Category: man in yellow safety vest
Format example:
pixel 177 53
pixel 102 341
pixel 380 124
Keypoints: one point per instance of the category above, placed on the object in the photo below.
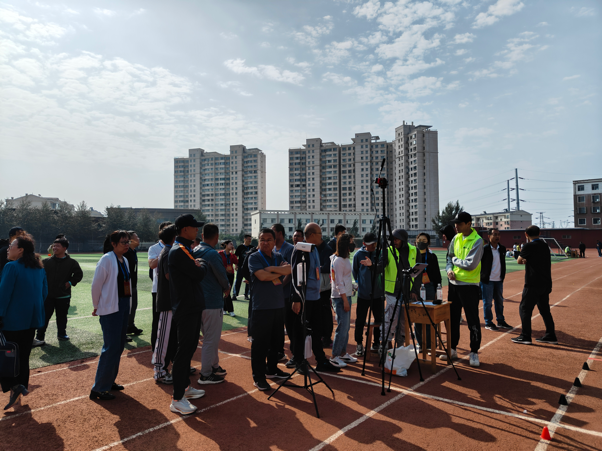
pixel 464 273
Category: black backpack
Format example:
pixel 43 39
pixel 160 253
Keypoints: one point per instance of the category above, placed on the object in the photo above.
pixel 244 269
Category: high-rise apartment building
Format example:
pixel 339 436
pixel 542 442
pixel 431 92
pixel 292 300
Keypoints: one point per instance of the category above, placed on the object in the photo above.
pixel 226 188
pixel 416 187
pixel 586 199
pixel 324 176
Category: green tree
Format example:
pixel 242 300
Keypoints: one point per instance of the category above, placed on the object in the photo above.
pixel 83 226
pixel 355 230
pixel 444 218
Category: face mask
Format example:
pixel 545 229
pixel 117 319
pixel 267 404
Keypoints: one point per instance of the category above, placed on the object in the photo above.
pixel 351 247
pixel 422 246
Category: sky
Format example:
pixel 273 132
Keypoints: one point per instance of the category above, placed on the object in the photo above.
pixel 97 98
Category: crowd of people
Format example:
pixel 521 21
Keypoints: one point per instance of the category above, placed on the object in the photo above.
pixel 292 290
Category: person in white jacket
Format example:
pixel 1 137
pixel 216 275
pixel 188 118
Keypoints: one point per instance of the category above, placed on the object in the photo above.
pixel 342 289
pixel 111 297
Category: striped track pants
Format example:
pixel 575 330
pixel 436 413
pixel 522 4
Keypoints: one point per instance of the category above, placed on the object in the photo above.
pixel 163 333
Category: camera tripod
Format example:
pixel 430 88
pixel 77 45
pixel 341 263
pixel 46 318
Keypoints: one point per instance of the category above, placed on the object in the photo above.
pixel 304 367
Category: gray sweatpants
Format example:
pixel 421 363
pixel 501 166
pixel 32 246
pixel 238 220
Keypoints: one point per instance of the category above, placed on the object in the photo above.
pixel 212 332
pixel 393 322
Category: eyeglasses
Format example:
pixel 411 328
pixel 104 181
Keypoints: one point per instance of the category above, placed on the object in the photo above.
pixel 125 243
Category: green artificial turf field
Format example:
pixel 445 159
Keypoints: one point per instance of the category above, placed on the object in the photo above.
pixel 85 331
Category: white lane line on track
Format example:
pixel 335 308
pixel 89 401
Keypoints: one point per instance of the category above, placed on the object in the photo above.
pixel 471 406
pixel 554 423
pixel 373 412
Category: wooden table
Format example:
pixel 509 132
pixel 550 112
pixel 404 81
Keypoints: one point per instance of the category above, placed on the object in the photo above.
pixel 439 314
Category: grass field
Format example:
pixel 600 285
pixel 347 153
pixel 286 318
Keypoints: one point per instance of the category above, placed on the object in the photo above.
pixel 85 331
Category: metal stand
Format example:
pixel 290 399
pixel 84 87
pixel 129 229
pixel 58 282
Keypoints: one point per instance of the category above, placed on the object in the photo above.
pixel 304 367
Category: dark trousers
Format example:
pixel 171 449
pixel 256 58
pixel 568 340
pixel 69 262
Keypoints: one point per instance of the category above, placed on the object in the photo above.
pixel 188 329
pixel 292 322
pixel 61 306
pixel 361 315
pixel 268 339
pixel 155 325
pixel 228 305
pixel 465 297
pixel 528 302
pixel 238 282
pixel 326 315
pixel 133 308
pixel 313 318
pixel 23 339
pixel 581 254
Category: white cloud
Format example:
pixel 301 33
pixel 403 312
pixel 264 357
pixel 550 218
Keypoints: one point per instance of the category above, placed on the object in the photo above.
pixel 104 12
pixel 543 24
pixel 421 86
pixel 377 68
pixel 234 86
pixel 374 38
pixel 264 71
pixel 368 10
pixel 228 35
pixel 139 12
pixel 265 45
pixel 29 29
pixel 453 85
pixel 583 11
pixel 460 52
pixel 466 132
pixel 464 38
pixel 554 100
pixel 311 34
pixel 268 27
pixel 335 52
pixel 495 12
pixel 339 79
pixel 469 60
pixel 572 77
pixel 463 104
pixel 394 111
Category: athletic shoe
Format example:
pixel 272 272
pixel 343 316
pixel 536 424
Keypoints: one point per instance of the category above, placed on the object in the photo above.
pixel 250 339
pixel 211 379
pixel 474 359
pixel 63 337
pixel 522 341
pixel 234 298
pixel 193 393
pixel 292 363
pixel 302 368
pixel 15 395
pixel 327 366
pixel 117 387
pixel 182 406
pixel 232 314
pixel 454 355
pixel 360 350
pixel 282 357
pixel 37 343
pixel 134 331
pixel 551 340
pixel 262 385
pixel 166 379
pixel 375 347
pixel 491 326
pixel 348 358
pixel 276 374
pixel 219 371
pixel 504 325
pixel 102 395
pixel 192 370
pixel 338 362
pixel 129 339
pixel 246 297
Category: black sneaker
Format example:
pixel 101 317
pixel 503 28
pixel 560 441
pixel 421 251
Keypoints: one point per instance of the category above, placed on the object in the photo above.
pixel 551 340
pixel 63 337
pixel 211 379
pixel 504 325
pixel 292 363
pixel 219 371
pixel 303 369
pixel 129 339
pixel 276 374
pixel 326 366
pixel 262 385
pixel 192 370
pixel 282 356
pixel 491 326
pixel 134 331
pixel 521 340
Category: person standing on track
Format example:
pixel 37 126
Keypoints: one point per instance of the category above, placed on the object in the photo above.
pixel 229 262
pixel 216 285
pixel 241 252
pixel 153 262
pixel 581 249
pixel 599 247
pixel 464 272
pixel 538 286
pixel 430 278
pixel 132 258
pixel 187 303
pixel 298 236
pixel 493 272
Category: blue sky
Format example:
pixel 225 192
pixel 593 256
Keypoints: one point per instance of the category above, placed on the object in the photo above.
pixel 96 98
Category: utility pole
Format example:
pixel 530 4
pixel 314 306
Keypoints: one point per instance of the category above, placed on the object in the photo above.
pixel 517 191
pixel 508 193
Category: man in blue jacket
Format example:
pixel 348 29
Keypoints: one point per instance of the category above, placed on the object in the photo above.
pixel 214 285
pixel 364 266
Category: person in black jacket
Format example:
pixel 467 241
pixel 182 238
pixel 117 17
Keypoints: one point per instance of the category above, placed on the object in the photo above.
pixel 62 273
pixel 430 278
pixel 493 272
pixel 581 249
pixel 326 327
pixel 241 252
pixel 132 257
pixel 187 304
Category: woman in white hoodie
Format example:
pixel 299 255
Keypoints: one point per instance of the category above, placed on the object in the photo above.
pixel 342 290
pixel 111 297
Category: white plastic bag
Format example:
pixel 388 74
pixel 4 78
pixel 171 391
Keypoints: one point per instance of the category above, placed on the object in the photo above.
pixel 404 356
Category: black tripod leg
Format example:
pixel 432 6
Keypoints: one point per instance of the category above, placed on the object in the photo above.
pixel 366 348
pixel 284 382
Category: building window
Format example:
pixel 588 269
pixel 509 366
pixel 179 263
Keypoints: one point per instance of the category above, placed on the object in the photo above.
pixel 581 221
pixel 595 198
pixel 595 209
pixel 596 221
pixel 580 187
pixel 580 199
pixel 595 186
pixel 566 237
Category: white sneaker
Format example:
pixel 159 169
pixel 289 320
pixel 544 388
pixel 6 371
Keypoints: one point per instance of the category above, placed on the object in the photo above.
pixel 474 359
pixel 454 355
pixel 182 406
pixel 348 358
pixel 193 393
pixel 232 314
pixel 338 362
